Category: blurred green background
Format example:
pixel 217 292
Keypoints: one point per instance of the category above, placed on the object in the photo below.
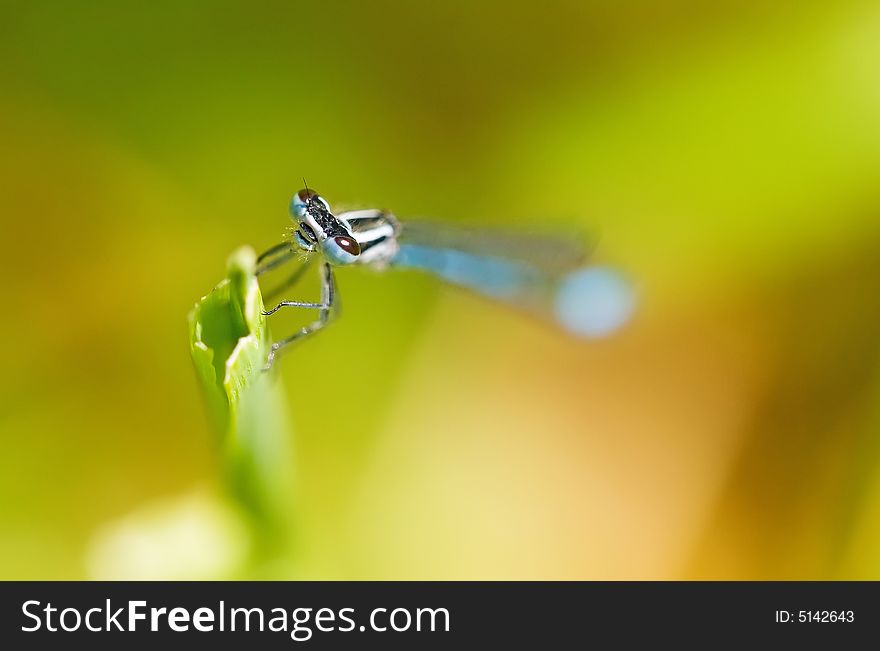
pixel 727 154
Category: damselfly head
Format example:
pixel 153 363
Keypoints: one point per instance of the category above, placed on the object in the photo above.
pixel 318 229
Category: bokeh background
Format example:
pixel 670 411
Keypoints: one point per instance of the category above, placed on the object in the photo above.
pixel 726 153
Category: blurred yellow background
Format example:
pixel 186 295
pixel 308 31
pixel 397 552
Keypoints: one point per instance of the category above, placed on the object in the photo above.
pixel 726 153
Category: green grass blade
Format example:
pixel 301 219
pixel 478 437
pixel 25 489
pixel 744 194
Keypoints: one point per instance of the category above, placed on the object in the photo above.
pixel 229 342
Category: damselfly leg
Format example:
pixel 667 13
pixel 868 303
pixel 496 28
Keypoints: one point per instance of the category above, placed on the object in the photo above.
pixel 328 310
pixel 291 280
pixel 275 257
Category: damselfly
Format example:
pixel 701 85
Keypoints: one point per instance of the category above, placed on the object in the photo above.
pixel 539 273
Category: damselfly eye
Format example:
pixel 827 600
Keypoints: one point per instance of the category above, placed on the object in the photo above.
pixel 308 232
pixel 305 194
pixel 305 201
pixel 348 244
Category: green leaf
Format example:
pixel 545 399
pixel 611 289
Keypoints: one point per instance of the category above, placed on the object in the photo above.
pixel 229 342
